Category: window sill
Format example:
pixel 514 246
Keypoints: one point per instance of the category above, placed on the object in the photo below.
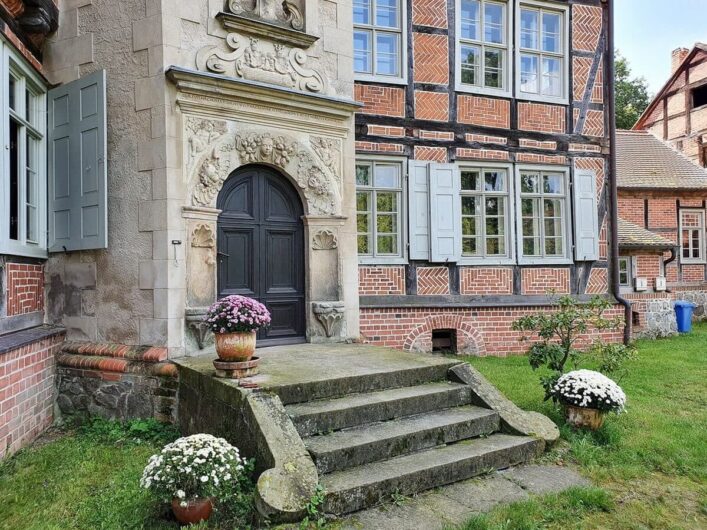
pixel 468 262
pixel 381 79
pixel 482 91
pixel 561 261
pixel 9 249
pixel 382 261
pixel 692 262
pixel 17 339
pixel 536 98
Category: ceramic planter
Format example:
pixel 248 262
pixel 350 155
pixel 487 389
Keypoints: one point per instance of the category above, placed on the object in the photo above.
pixel 235 347
pixel 584 417
pixel 195 511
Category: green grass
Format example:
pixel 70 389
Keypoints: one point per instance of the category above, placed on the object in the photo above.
pixel 87 478
pixel 649 465
pixel 652 460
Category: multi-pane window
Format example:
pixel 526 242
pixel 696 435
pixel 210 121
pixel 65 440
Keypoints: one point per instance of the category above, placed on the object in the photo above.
pixel 692 235
pixel 625 271
pixel 378 208
pixel 484 197
pixel 543 198
pixel 483 44
pixel 23 183
pixel 542 51
pixel 378 38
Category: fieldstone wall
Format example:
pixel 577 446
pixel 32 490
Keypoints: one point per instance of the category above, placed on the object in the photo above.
pixel 134 396
pixel 699 298
pixel 659 319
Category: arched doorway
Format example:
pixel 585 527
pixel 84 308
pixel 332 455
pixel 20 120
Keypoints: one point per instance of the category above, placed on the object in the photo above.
pixel 261 248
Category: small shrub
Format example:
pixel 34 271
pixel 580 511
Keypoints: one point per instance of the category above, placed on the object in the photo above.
pixel 131 431
pixel 587 388
pixel 314 517
pixel 560 332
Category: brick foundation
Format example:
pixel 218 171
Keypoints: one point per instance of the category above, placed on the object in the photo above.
pixel 479 331
pixel 27 392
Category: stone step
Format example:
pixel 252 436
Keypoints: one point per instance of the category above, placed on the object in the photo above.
pixel 422 369
pixel 359 409
pixel 380 441
pixel 364 486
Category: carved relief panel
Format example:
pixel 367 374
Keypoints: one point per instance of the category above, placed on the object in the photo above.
pixel 284 13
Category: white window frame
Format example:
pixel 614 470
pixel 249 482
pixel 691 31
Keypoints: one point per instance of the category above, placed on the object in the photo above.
pixel 11 61
pixel 567 258
pixel 701 213
pixel 509 258
pixel 507 45
pixel 401 79
pixel 403 222
pixel 629 271
pixel 565 82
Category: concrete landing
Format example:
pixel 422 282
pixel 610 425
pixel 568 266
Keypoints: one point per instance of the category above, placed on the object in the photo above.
pixel 302 372
pixel 453 505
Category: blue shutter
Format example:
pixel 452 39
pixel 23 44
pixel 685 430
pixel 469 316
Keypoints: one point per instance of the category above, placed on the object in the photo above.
pixel 78 217
pixel 445 213
pixel 586 216
pixel 419 209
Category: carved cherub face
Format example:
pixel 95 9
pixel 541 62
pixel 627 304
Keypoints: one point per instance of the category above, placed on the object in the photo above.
pixel 253 43
pixel 266 146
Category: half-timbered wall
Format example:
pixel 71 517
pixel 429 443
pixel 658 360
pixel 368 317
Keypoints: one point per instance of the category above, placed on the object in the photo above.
pixel 678 115
pixel 431 117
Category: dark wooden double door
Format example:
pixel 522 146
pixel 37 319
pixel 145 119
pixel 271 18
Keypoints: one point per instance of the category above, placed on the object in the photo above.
pixel 261 249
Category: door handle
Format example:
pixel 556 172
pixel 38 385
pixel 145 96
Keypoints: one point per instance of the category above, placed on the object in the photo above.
pixel 222 255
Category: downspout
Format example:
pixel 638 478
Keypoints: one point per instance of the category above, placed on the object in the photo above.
pixel 614 198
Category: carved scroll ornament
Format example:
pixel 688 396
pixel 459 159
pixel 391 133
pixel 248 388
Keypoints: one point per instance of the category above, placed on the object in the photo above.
pixel 266 62
pixel 285 13
pixel 212 173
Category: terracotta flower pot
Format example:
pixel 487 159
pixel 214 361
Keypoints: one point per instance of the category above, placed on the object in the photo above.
pixel 195 511
pixel 584 417
pixel 235 346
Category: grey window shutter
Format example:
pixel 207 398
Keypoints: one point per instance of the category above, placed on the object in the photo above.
pixel 419 209
pixel 586 229
pixel 78 216
pixel 445 213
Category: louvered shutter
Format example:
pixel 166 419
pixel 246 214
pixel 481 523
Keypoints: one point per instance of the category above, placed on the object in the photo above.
pixel 586 229
pixel 78 215
pixel 445 213
pixel 419 209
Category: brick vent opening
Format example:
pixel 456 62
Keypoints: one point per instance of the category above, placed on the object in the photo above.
pixel 444 340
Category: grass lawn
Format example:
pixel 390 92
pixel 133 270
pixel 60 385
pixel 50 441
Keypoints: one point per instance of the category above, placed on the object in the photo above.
pixel 649 465
pixel 652 460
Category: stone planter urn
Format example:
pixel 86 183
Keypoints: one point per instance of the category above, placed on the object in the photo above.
pixel 584 417
pixel 195 511
pixel 235 347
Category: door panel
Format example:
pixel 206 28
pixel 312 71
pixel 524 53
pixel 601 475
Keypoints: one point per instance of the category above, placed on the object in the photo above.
pixel 261 249
pixel 238 246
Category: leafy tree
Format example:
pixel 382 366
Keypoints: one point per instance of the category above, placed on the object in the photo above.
pixel 631 94
pixel 562 332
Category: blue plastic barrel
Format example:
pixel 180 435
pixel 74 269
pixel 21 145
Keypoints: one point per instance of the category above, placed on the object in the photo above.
pixel 683 314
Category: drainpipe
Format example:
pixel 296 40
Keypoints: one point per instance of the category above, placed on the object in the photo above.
pixel 614 204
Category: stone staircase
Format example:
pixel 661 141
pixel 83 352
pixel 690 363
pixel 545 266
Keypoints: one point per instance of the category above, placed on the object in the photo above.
pixel 403 432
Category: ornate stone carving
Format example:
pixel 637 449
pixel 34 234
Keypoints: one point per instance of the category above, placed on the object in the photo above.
pixel 195 321
pixel 329 152
pixel 285 13
pixel 266 62
pixel 329 314
pixel 324 240
pixel 203 237
pixel 202 134
pixel 212 173
pixel 313 181
pixel 265 148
